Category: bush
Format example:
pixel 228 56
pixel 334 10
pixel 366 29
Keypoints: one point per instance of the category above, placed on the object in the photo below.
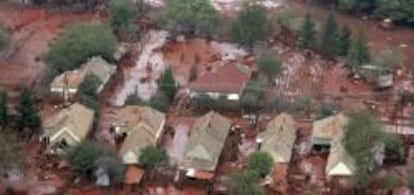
pixel 245 183
pixel 191 16
pixel 261 162
pixel 121 14
pixel 89 86
pixel 152 156
pixel 113 165
pixel 160 102
pixel 168 85
pixel 78 43
pixel 326 110
pixel 270 65
pixel 250 25
pixel 307 33
pixel 134 99
pixel 359 53
pixel 362 133
pixel 83 156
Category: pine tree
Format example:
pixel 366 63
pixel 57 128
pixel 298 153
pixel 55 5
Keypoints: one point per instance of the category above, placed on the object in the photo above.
pixel 307 33
pixel 28 112
pixel 329 41
pixel 344 41
pixel 359 52
pixel 168 84
pixel 3 109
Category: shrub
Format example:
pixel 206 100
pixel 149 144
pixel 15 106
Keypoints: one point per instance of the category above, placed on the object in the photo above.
pixel 261 162
pixel 191 16
pixel 121 14
pixel 160 102
pixel 152 156
pixel 245 183
pixel 270 65
pixel 168 85
pixel 250 25
pixel 89 86
pixel 307 33
pixel 134 99
pixel 83 156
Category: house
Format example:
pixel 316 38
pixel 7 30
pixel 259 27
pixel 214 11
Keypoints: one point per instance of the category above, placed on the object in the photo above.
pixel 205 145
pixel 324 131
pixel 68 127
pixel 339 163
pixel 67 83
pixel 227 81
pixel 279 138
pixel 142 126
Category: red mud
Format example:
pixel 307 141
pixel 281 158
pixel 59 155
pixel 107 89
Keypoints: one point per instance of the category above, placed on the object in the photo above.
pixel 32 29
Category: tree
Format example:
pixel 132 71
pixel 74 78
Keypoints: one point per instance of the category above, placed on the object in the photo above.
pixel 152 156
pixel 113 165
pixel 78 43
pixel 88 92
pixel 168 85
pixel 160 101
pixel 121 14
pixel 250 25
pixel 134 99
pixel 90 85
pixel 362 133
pixel 344 41
pixel 261 162
pixel 329 41
pixel 252 96
pixel 245 183
pixel 307 33
pixel 270 65
pixel 359 52
pixel 355 5
pixel 400 11
pixel 4 38
pixel 84 156
pixel 11 150
pixel 28 112
pixel 191 16
pixel 4 117
pixel 38 2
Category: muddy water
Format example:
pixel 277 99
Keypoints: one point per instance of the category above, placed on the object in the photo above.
pixel 142 78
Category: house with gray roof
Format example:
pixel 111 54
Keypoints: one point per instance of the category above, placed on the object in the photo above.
pixel 205 145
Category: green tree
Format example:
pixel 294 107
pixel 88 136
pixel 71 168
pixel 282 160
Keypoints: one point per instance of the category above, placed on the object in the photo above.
pixel 362 133
pixel 90 85
pixel 355 5
pixel 152 156
pixel 113 165
pixel 344 41
pixel 250 25
pixel 134 99
pixel 261 162
pixel 12 153
pixel 245 183
pixel 121 14
pixel 4 38
pixel 397 10
pixel 88 92
pixel 38 2
pixel 78 43
pixel 160 101
pixel 168 85
pixel 359 52
pixel 307 33
pixel 270 65
pixel 28 112
pixel 84 156
pixel 250 102
pixel 329 41
pixel 191 16
pixel 3 110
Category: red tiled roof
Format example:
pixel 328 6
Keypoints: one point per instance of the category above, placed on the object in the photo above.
pixel 229 78
pixel 133 175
